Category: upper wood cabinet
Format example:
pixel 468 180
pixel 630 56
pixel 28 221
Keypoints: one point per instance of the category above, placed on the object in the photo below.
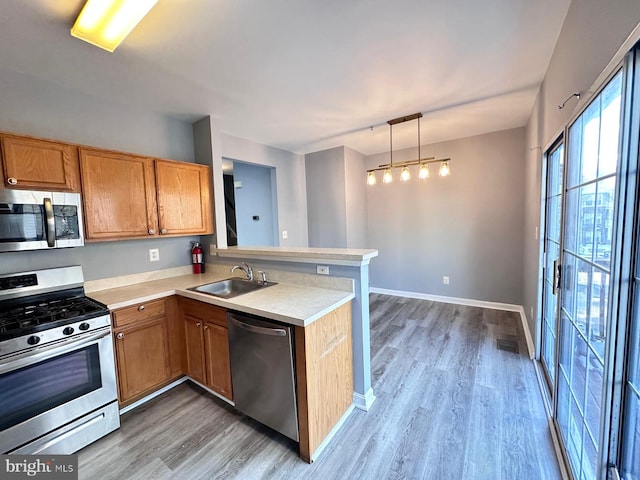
pixel 128 196
pixel 184 198
pixel 119 195
pixel 32 163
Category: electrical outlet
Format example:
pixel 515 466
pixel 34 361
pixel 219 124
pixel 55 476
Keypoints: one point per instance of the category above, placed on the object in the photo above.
pixel 212 249
pixel 536 237
pixel 285 234
pixel 531 312
pixel 322 269
pixel 154 255
pixel 445 280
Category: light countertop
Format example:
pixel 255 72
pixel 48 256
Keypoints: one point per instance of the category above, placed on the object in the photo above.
pixel 338 256
pixel 285 302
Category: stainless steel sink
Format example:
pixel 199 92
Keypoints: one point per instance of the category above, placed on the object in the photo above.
pixel 231 287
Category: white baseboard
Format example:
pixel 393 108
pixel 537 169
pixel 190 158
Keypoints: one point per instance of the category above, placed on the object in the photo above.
pixel 469 302
pixel 364 402
pixel 332 433
pixel 153 395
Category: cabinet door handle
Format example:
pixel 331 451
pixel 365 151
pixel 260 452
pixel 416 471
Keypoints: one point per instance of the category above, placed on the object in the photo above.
pixel 120 336
pixel 12 181
pixel 152 231
pixel 198 324
pixel 163 231
pixel 141 308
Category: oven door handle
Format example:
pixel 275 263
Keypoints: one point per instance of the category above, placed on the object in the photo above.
pixel 38 354
pixel 50 224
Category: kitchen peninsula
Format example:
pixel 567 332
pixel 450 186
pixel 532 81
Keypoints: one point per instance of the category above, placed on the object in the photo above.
pixel 319 307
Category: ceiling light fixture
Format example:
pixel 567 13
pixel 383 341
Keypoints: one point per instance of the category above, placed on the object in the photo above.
pixel 106 23
pixel 405 173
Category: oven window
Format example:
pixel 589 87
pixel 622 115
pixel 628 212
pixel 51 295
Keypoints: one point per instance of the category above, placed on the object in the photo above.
pixel 32 390
pixel 21 222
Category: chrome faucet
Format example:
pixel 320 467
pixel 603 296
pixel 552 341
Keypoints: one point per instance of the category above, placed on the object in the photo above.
pixel 246 269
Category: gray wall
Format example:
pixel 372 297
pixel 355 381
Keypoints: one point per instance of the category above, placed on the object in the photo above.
pixel 467 226
pixel 326 211
pixel 592 33
pixel 254 198
pixel 33 107
pixel 290 181
pixel 355 166
pixel 336 198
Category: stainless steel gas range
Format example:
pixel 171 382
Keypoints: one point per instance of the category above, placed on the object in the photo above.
pixel 57 374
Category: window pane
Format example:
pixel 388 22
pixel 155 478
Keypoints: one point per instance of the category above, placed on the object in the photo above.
pixel 583 291
pixel 569 285
pixel 610 127
pixel 631 455
pixel 590 142
pixel 556 164
pixel 578 373
pixel 553 217
pixel 593 401
pixel 574 445
pixel 549 348
pixel 575 152
pixel 599 308
pixel 603 219
pixel 589 459
pixel 579 224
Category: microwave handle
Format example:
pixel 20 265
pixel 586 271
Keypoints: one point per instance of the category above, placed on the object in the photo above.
pixel 50 224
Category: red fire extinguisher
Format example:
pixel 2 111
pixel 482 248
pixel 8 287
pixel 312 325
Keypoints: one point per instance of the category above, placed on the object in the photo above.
pixel 196 257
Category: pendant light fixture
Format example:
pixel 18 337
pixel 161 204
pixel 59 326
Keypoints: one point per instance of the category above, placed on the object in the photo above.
pixel 405 172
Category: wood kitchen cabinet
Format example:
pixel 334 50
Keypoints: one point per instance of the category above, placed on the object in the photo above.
pixel 142 350
pixel 324 376
pixel 37 164
pixel 184 198
pixel 207 345
pixel 129 196
pixel 119 195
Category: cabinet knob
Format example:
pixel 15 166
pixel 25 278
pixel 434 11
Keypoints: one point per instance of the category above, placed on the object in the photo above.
pixel 206 328
pixel 163 231
pixel 198 324
pixel 152 231
pixel 12 181
pixel 141 308
pixel 120 336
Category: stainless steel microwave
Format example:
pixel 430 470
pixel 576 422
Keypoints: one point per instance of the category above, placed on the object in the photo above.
pixel 31 220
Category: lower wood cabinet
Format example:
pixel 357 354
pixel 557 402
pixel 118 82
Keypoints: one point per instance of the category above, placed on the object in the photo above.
pixel 207 345
pixel 142 349
pixel 324 376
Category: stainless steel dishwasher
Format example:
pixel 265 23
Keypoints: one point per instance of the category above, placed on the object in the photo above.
pixel 262 372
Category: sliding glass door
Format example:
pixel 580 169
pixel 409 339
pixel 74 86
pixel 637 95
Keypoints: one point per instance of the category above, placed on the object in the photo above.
pixel 590 186
pixel 554 160
pixel 630 445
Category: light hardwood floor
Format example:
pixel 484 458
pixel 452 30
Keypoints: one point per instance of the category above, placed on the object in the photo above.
pixel 449 405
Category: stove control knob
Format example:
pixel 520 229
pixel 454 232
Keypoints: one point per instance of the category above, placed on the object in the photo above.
pixel 33 339
pixel 83 326
pixel 68 330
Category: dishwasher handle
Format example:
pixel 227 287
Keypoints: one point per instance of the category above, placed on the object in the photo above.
pixel 277 332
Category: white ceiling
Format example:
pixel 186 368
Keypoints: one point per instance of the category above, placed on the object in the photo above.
pixel 306 75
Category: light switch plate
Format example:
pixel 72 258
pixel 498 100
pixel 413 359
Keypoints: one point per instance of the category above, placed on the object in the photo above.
pixel 154 254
